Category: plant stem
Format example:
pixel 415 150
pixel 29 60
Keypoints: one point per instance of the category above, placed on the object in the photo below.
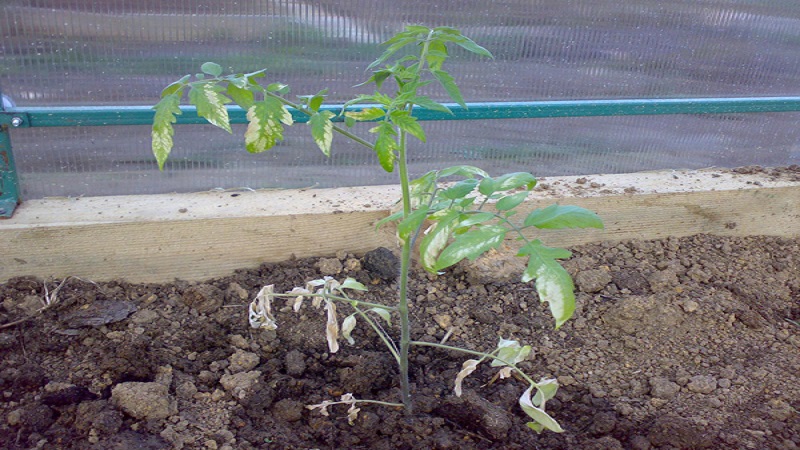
pixel 405 262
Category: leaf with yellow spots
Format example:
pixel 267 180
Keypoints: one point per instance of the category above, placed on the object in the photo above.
pixel 210 103
pixel 266 119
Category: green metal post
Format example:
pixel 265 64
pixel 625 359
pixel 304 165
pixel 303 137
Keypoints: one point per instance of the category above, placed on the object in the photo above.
pixel 9 184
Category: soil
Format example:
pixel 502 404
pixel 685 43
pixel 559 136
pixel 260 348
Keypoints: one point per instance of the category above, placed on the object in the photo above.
pixel 676 343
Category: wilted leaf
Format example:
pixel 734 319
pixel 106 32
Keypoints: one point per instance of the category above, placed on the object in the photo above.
pixel 332 327
pixel 545 390
pixel 260 310
pixel 511 352
pixel 348 324
pixel 467 368
pixel 540 417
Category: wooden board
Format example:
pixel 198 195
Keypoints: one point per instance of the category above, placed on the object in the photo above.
pixel 198 236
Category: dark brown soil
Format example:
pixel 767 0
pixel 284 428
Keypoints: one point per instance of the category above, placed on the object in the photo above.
pixel 677 343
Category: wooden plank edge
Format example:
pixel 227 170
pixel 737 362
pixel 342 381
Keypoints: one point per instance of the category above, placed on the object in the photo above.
pixel 158 238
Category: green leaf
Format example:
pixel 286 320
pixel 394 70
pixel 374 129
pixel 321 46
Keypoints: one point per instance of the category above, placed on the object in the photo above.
pixel 384 313
pixel 366 114
pixel 449 85
pixel 166 110
pixel 176 86
pixel 515 180
pixel 264 128
pixel 429 104
pixel 470 46
pixel 390 218
pixel 436 239
pixel 462 171
pixel 506 182
pixel 411 223
pixel 350 283
pixel 242 96
pixel 511 201
pixel 395 44
pixel 475 219
pixel 470 245
pixel 407 123
pixel 210 103
pixel 316 101
pixel 322 130
pixel 278 88
pixel 385 145
pixel 541 418
pixel 459 190
pixel 423 187
pixel 211 68
pixel 437 54
pixel 553 282
pixel 557 217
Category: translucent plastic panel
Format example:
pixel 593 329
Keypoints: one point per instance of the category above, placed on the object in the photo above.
pixel 113 52
pixel 88 163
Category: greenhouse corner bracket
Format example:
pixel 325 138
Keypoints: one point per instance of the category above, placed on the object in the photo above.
pixel 34 117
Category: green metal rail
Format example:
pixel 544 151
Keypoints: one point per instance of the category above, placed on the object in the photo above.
pixel 75 116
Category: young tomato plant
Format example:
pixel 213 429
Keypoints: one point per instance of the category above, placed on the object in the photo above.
pixel 452 214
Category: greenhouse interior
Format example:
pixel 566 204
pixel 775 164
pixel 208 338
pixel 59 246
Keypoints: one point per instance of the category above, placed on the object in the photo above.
pixel 657 142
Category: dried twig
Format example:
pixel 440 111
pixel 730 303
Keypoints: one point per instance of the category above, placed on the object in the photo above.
pixel 48 301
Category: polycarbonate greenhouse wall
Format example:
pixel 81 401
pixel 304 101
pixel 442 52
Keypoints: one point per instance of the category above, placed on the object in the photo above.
pixel 64 53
